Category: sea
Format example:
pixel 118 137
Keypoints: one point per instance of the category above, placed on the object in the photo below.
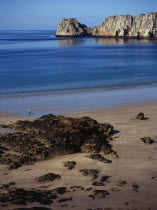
pixel 63 74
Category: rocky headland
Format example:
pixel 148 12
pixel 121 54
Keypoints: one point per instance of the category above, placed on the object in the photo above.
pixel 140 26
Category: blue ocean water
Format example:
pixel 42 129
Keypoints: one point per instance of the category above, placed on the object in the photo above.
pixel 37 61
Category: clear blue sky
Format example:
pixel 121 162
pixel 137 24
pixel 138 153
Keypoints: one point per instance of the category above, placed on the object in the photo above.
pixel 46 14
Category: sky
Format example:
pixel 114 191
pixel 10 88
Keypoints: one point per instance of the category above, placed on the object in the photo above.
pixel 46 14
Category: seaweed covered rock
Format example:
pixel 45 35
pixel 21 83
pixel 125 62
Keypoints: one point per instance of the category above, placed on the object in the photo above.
pixel 135 187
pixel 27 143
pixel 104 178
pixel 140 116
pixel 99 194
pixel 21 196
pixel 98 184
pixel 61 190
pixel 99 158
pixel 48 177
pixel 15 161
pixel 65 199
pixel 121 183
pixel 147 140
pixel 92 145
pixel 107 150
pixel 51 135
pixel 66 124
pixel 70 164
pixel 93 173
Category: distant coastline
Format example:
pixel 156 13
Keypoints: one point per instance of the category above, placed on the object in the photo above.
pixel 140 26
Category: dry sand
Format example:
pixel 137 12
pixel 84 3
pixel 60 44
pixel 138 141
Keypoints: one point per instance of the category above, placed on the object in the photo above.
pixel 136 164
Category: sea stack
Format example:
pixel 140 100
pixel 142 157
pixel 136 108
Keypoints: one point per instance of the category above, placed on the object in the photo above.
pixel 140 26
pixel 72 28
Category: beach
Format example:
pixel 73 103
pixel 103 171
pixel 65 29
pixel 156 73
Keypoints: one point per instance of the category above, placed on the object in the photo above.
pixel 136 164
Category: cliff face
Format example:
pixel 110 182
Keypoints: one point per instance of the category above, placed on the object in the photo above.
pixel 123 25
pixel 144 25
pixel 115 26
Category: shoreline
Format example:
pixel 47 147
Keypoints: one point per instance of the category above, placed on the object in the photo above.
pixel 107 37
pixel 10 117
pixel 79 90
pixel 64 103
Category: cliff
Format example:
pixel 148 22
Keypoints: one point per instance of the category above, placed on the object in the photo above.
pixel 144 25
pixel 140 26
pixel 115 26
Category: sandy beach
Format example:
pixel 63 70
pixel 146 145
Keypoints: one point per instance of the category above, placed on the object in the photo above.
pixel 136 164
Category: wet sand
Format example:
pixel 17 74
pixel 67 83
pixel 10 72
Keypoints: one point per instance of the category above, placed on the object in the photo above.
pixel 7 118
pixel 136 164
pixel 66 102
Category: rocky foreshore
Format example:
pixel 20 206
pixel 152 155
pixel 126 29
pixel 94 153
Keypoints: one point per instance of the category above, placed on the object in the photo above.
pixel 68 163
pixel 140 26
pixel 51 136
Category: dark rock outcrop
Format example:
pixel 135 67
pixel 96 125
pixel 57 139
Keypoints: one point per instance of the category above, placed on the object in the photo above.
pixel 70 164
pixel 140 116
pixel 99 194
pixel 61 190
pixel 121 183
pixel 91 145
pixel 135 187
pixel 93 173
pixel 51 136
pixel 15 161
pixel 107 150
pixel 21 196
pixel 98 184
pixel 140 26
pixel 105 178
pixel 65 199
pixel 99 158
pixel 48 177
pixel 147 140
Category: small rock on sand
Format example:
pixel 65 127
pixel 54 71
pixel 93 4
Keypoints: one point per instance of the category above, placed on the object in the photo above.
pixel 140 116
pixel 90 172
pixel 147 140
pixel 135 187
pixel 121 183
pixel 70 164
